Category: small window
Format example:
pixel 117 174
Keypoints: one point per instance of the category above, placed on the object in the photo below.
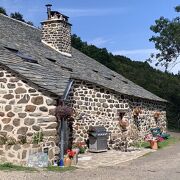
pixel 96 71
pixel 113 75
pixel 108 78
pixel 26 58
pixel 11 49
pixel 66 68
pixel 52 60
pixel 125 81
pixel 21 55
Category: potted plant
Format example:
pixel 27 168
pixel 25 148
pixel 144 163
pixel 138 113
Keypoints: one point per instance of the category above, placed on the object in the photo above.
pixel 80 147
pixel 63 112
pixel 124 123
pixel 153 140
pixel 68 158
pixel 156 115
pixel 136 111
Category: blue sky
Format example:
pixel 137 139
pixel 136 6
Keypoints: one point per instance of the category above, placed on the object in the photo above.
pixel 121 26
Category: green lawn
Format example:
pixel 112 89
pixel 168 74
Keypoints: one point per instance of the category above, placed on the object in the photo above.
pixel 169 141
pixel 12 167
pixel 58 169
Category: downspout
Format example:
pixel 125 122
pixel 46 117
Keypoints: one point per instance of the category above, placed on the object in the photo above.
pixel 63 99
pixel 66 92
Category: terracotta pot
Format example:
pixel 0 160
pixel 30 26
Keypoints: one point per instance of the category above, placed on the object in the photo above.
pixel 124 123
pixel 154 144
pixel 67 162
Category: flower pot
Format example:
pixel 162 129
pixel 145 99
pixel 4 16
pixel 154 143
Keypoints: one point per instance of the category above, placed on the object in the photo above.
pixel 67 162
pixel 124 123
pixel 154 144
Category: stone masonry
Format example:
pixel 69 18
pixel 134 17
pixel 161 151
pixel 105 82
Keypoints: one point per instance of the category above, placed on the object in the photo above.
pixel 24 111
pixel 95 105
pixel 57 34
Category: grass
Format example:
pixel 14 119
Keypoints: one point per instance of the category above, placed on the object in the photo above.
pixel 171 140
pixel 58 169
pixel 142 145
pixel 12 167
pixel 168 142
pixel 174 130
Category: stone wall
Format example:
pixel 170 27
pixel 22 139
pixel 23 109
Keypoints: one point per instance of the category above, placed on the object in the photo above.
pixel 95 105
pixel 19 154
pixel 24 111
pixel 57 34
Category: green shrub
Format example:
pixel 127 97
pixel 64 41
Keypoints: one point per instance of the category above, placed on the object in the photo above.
pixel 3 140
pixel 37 137
pixel 11 141
pixel 23 139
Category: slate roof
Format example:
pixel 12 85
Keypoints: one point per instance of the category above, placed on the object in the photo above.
pixel 54 69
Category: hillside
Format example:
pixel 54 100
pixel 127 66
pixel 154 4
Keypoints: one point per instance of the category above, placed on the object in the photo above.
pixel 165 85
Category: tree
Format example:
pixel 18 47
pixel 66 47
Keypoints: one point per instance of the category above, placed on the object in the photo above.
pixel 3 11
pixel 167 41
pixel 17 16
pixel 30 23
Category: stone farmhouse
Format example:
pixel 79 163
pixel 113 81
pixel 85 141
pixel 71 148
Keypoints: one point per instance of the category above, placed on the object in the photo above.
pixel 37 67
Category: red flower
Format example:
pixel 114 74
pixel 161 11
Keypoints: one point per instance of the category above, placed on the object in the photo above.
pixel 71 153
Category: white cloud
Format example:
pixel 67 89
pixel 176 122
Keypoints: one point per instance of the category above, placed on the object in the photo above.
pixel 91 12
pixel 99 41
pixel 135 52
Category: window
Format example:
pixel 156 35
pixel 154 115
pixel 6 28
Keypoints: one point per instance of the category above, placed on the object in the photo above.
pixel 108 78
pixel 125 81
pixel 96 71
pixel 52 60
pixel 113 75
pixel 22 56
pixel 26 58
pixel 66 68
pixel 11 49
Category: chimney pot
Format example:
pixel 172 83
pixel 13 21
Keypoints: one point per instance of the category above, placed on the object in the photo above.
pixel 49 10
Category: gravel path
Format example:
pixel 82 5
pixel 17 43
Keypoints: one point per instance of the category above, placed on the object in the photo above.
pixel 161 165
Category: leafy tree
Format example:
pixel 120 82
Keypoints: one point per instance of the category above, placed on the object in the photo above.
pixel 17 16
pixel 3 11
pixel 30 23
pixel 177 8
pixel 167 41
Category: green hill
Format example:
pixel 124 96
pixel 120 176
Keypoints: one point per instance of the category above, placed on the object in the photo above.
pixel 165 85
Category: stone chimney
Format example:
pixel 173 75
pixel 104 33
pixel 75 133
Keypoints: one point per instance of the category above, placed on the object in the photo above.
pixel 56 31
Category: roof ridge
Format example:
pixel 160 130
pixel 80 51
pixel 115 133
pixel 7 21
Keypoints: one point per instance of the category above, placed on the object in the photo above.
pixel 20 22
